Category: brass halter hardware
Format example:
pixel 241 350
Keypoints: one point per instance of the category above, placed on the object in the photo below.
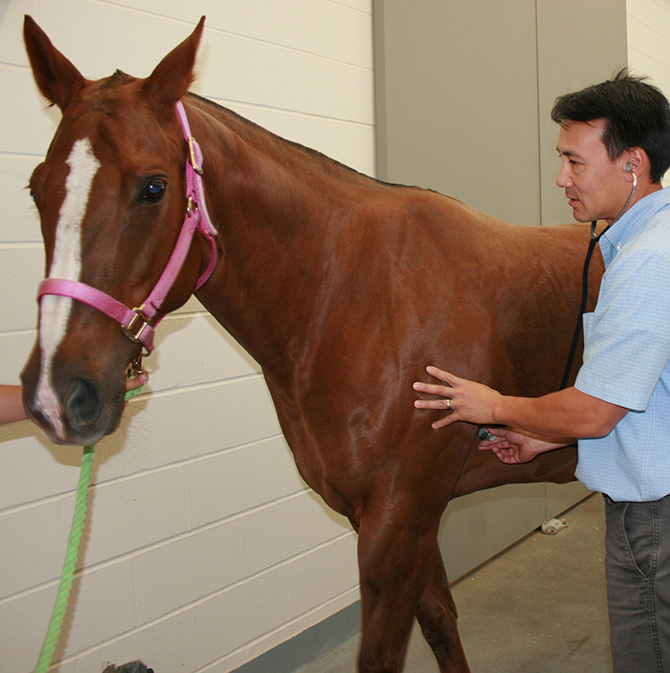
pixel 137 325
pixel 191 153
pixel 191 205
pixel 135 367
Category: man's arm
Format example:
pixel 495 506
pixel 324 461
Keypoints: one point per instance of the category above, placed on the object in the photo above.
pixel 566 413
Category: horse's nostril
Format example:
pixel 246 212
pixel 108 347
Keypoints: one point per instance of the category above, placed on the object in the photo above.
pixel 83 402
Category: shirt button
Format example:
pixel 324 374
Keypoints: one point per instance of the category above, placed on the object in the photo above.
pixel 618 247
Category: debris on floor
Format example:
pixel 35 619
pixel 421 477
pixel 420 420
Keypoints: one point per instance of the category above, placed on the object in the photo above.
pixel 552 526
pixel 132 667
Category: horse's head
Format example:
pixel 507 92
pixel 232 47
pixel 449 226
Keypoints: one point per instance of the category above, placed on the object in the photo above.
pixel 111 195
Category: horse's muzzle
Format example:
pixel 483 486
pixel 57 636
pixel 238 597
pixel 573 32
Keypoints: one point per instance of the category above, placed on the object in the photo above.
pixel 86 416
pixel 75 413
pixel 82 405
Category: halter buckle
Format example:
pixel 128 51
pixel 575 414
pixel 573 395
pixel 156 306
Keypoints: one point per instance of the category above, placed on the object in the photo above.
pixel 191 154
pixel 135 328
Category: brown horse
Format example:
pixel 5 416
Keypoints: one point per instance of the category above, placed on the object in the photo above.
pixel 342 288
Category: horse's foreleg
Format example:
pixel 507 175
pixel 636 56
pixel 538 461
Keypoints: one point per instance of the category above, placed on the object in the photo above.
pixel 394 561
pixel 437 616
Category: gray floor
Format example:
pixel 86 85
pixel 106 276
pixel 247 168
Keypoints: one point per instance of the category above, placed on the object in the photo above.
pixel 539 607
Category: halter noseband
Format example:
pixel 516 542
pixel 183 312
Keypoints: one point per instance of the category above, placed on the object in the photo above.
pixel 138 324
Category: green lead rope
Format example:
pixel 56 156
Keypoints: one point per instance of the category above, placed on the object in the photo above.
pixel 67 576
pixel 63 595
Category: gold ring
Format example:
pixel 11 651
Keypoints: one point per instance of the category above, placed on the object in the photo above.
pixel 448 404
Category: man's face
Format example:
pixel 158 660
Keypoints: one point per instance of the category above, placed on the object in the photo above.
pixel 596 187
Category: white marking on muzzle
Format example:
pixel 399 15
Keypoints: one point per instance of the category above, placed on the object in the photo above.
pixel 55 311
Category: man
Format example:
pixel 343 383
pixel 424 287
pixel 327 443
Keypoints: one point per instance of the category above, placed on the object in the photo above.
pixel 614 147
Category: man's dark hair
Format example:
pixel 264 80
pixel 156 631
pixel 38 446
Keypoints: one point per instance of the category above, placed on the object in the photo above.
pixel 636 113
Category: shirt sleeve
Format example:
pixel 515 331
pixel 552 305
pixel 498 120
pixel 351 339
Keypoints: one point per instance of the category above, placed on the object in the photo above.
pixel 627 337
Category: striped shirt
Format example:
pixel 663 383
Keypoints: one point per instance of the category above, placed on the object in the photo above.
pixel 627 356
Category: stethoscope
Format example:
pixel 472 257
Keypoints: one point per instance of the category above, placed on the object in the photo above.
pixel 483 433
pixel 595 237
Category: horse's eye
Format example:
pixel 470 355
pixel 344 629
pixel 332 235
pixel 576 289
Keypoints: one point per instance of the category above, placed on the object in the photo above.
pixel 154 190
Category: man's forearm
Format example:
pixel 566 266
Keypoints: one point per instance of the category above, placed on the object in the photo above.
pixel 567 413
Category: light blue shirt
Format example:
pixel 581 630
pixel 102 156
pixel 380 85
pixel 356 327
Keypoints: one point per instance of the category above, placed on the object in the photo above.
pixel 627 356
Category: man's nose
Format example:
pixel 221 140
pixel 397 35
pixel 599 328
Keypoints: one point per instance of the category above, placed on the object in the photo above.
pixel 564 180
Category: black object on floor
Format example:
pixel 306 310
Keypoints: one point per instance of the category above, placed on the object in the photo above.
pixel 132 667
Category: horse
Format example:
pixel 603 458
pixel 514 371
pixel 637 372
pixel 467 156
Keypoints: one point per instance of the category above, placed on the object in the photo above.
pixel 340 286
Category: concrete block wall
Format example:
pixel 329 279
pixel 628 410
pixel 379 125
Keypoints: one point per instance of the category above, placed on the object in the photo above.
pixel 649 40
pixel 648 28
pixel 203 548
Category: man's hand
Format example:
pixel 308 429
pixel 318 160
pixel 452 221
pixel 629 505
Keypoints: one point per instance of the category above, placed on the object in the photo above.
pixel 514 447
pixel 464 400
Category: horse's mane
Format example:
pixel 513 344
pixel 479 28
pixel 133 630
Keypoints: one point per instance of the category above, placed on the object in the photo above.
pixel 327 163
pixel 117 79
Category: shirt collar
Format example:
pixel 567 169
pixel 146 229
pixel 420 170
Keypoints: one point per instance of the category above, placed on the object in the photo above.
pixel 632 222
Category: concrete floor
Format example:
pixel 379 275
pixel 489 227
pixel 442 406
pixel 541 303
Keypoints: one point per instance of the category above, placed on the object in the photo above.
pixel 539 607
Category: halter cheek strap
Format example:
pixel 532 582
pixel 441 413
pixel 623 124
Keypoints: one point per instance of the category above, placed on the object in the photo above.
pixel 138 324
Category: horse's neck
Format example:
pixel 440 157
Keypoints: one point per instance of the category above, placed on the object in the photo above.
pixel 280 213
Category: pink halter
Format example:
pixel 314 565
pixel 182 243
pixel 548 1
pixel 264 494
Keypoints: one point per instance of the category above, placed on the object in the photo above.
pixel 138 324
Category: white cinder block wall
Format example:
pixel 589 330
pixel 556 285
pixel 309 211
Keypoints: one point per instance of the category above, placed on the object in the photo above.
pixel 203 548
pixel 649 40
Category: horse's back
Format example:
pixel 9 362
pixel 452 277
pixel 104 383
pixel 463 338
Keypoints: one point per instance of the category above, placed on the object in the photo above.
pixel 445 276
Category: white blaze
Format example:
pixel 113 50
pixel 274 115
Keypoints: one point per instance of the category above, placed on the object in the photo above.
pixel 66 264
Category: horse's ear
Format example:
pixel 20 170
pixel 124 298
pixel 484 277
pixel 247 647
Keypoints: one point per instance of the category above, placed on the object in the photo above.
pixel 55 76
pixel 173 76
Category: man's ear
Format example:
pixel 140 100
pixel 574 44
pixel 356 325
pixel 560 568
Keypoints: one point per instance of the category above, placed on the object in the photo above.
pixel 635 160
